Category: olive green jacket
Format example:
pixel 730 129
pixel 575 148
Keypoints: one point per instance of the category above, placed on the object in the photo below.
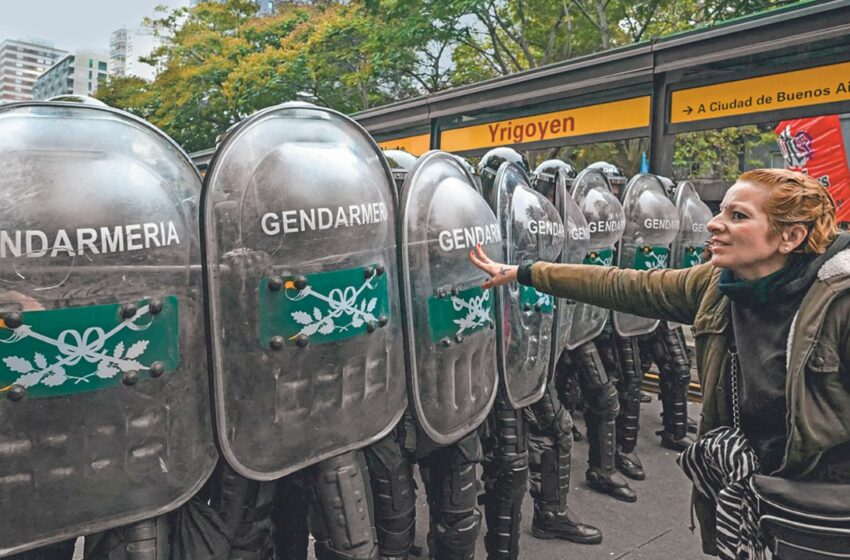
pixel 818 385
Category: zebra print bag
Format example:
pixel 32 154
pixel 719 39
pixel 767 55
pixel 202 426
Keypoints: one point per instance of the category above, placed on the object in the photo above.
pixel 720 465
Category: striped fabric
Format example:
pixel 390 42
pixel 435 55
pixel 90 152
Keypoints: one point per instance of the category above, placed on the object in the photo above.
pixel 720 466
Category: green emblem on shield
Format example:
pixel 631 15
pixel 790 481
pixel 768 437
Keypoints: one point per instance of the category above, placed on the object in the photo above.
pixel 460 313
pixel 331 306
pixel 530 298
pixel 650 258
pixel 692 257
pixel 605 257
pixel 79 349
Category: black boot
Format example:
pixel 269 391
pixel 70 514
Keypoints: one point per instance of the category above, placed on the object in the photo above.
pixel 669 441
pixel 552 524
pixel 629 464
pixel 610 483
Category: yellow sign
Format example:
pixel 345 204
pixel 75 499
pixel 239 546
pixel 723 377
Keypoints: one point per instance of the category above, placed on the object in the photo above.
pixel 813 86
pixel 593 119
pixel 416 145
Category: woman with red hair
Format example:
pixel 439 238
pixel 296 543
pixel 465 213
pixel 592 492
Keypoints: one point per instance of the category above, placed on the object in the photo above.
pixel 771 318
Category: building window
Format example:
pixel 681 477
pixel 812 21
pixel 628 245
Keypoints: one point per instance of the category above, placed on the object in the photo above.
pixel 91 63
pixel 101 66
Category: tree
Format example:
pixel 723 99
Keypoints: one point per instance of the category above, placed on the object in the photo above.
pixel 222 63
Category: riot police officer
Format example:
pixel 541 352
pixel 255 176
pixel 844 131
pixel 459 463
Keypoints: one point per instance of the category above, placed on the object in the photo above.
pixel 584 361
pixel 310 368
pixel 666 345
pixel 550 423
pixel 535 230
pixel 451 344
pixel 651 225
pixel 105 380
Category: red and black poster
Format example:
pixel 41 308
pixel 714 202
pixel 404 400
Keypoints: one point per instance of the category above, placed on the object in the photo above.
pixel 815 146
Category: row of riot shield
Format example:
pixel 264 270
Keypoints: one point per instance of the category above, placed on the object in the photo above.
pixel 281 313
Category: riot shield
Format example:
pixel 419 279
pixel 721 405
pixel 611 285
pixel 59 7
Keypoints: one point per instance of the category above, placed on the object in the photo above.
pixel 299 233
pixel 576 247
pixel 651 225
pixel 103 376
pixel 449 318
pixel 693 218
pixel 532 230
pixel 605 221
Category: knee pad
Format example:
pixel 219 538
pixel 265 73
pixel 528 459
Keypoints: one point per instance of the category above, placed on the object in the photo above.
pixel 458 532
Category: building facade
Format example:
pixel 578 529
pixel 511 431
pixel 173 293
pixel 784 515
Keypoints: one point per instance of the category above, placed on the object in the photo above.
pixel 266 6
pixel 21 63
pixel 77 73
pixel 126 48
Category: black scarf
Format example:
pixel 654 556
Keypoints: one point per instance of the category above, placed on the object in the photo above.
pixel 798 274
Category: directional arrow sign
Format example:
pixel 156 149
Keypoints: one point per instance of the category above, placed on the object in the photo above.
pixel 800 88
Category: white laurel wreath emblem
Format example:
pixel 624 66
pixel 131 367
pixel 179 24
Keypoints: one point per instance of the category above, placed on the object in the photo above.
pixel 477 313
pixel 656 260
pixel 345 302
pixel 603 261
pixel 75 346
pixel 543 300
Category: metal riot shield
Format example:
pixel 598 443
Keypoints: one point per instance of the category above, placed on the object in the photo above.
pixel 103 376
pixel 531 229
pixel 449 318
pixel 299 232
pixel 693 233
pixel 606 221
pixel 651 225
pixel 576 247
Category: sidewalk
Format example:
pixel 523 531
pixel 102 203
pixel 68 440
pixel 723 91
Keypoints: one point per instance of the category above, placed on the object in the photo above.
pixel 653 528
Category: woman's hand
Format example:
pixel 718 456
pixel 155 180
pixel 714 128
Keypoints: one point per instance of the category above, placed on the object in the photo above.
pixel 499 273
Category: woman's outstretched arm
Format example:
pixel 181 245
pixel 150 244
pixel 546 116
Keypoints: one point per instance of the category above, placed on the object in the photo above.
pixel 668 294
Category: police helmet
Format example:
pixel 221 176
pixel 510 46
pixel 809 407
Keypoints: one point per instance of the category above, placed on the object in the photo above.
pixel 401 163
pixel 492 161
pixel 546 174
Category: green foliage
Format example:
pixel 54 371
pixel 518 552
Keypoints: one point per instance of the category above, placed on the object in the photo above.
pixel 221 62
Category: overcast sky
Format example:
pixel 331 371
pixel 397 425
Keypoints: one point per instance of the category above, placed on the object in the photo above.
pixel 77 24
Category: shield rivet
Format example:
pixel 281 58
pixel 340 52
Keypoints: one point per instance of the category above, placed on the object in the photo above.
pixel 441 293
pixel 130 378
pixel 13 320
pixel 379 270
pixel 647 249
pixel 455 291
pixel 446 342
pixel 371 326
pixel 275 283
pixel 301 340
pixel 157 369
pixel 537 307
pixel 128 310
pixel 526 307
pixel 458 338
pixel 155 307
pixel 276 342
pixel 300 282
pixel 383 320
pixel 593 255
pixel 369 271
pixel 16 393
